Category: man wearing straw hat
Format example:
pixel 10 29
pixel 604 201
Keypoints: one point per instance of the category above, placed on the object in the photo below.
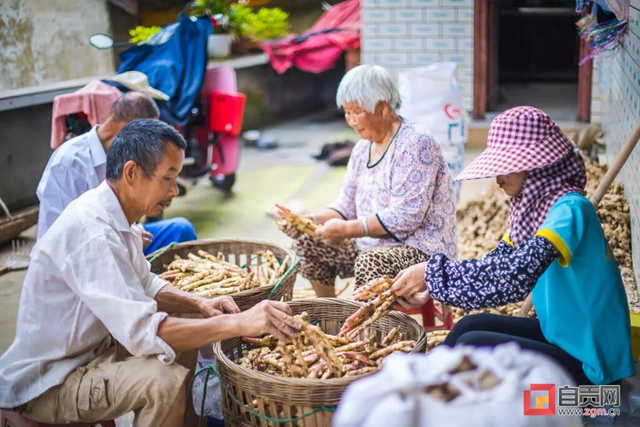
pixel 89 286
pixel 79 165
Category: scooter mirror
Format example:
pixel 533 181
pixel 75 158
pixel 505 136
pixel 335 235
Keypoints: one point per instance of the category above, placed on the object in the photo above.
pixel 101 41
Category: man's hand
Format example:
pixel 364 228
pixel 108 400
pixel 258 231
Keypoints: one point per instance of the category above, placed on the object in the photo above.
pixel 211 307
pixel 410 281
pixel 333 232
pixel 147 238
pixel 269 317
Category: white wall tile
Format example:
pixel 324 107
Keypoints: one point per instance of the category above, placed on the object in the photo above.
pixel 457 3
pixel 457 30
pixel 417 59
pixel 433 44
pixel 464 45
pixel 394 30
pixel 393 3
pixel 369 57
pixel 408 15
pixel 464 15
pixel 440 15
pixel 459 58
pixel 376 15
pixel 394 59
pixel 424 3
pixel 430 30
pixel 408 44
pixel 377 44
pixel 369 31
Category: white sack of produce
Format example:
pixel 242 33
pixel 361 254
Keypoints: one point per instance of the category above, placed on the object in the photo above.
pixel 431 98
pixel 453 387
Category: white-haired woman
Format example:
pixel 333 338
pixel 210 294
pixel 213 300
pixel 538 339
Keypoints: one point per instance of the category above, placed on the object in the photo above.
pixel 396 206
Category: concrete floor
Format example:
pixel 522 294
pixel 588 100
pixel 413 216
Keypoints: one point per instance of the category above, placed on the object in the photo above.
pixel 283 175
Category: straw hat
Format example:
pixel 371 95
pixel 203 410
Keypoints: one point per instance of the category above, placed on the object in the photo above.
pixel 520 139
pixel 135 80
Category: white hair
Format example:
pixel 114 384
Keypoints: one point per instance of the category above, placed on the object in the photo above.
pixel 366 85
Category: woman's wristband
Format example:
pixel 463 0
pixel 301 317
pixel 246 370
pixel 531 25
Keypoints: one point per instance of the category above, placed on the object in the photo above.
pixel 365 226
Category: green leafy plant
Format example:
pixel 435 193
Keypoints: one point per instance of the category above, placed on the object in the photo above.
pixel 239 19
pixel 141 34
pixel 267 23
pixel 201 8
pixel 231 16
pixel 216 10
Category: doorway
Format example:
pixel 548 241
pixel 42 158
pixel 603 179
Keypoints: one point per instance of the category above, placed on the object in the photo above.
pixel 527 53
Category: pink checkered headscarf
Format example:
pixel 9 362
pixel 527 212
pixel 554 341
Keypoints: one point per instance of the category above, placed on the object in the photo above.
pixel 541 189
pixel 525 139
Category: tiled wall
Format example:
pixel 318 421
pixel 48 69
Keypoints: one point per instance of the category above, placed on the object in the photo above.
pixel 400 34
pixel 620 97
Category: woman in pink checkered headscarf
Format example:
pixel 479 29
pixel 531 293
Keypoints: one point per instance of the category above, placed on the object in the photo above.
pixel 554 248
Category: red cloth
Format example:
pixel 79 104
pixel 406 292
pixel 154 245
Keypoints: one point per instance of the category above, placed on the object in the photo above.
pixel 321 51
pixel 94 100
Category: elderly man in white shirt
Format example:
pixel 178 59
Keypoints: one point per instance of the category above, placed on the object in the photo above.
pixel 89 286
pixel 79 165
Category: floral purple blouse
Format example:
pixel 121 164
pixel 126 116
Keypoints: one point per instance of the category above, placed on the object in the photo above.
pixel 409 189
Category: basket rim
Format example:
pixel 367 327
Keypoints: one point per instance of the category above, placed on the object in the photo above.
pixel 291 271
pixel 222 358
pixel 202 242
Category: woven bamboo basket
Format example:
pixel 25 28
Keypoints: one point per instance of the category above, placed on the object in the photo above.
pixel 280 399
pixel 239 252
pixel 12 226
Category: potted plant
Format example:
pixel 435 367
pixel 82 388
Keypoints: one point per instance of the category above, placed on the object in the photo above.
pixel 219 44
pixel 238 23
pixel 268 23
pixel 251 28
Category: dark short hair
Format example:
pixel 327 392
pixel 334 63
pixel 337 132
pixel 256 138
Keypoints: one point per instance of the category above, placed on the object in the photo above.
pixel 143 142
pixel 134 105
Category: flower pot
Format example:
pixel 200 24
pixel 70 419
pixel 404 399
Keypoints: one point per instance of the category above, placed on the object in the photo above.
pixel 244 46
pixel 219 45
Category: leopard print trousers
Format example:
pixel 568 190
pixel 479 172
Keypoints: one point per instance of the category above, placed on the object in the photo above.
pixel 323 263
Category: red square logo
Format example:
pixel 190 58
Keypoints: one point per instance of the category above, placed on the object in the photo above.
pixel 540 399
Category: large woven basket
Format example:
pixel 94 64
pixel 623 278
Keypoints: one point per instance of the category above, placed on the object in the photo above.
pixel 281 399
pixel 238 252
pixel 11 227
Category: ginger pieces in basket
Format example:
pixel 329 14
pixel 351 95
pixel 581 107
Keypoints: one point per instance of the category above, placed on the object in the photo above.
pixel 206 275
pixel 378 307
pixel 314 354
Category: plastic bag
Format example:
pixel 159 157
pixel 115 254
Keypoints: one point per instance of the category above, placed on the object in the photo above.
pixel 213 402
pixel 401 395
pixel 431 98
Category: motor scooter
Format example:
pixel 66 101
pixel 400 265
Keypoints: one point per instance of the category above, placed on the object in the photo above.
pixel 212 130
